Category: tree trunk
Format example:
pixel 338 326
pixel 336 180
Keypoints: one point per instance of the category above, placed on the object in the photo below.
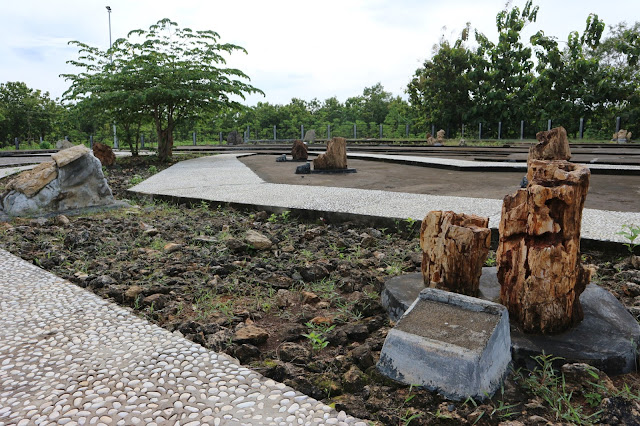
pixel 538 255
pixel 454 248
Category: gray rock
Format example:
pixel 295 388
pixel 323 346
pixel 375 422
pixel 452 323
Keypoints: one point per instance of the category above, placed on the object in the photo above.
pixel 79 184
pixel 281 159
pixel 303 169
pixel 456 344
pixel 234 138
pixel 310 136
pixel 63 144
pixel 292 352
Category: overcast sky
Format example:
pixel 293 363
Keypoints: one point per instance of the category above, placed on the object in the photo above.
pixel 296 48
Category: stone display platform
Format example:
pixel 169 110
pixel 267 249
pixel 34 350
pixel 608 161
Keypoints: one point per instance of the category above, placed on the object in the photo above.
pixel 452 343
pixel 69 357
pixel 607 338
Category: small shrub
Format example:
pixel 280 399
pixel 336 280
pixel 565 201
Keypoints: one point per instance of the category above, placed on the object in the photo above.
pixel 45 145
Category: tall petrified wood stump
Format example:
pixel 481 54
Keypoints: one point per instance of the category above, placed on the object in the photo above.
pixel 454 248
pixel 538 255
pixel 335 158
pixel 552 145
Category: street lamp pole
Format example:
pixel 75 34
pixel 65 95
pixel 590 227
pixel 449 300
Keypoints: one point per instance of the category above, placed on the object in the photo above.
pixel 115 137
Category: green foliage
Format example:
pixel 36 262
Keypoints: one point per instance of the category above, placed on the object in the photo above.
pixel 45 145
pixel 545 383
pixel 630 232
pixel 316 335
pixel 165 75
pixel 136 179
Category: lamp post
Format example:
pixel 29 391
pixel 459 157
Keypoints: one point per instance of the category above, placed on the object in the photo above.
pixel 115 137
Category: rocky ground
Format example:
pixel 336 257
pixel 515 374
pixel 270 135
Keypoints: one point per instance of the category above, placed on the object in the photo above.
pixel 300 302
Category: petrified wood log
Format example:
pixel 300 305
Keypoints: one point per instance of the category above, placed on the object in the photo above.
pixel 454 248
pixel 552 145
pixel 334 158
pixel 299 151
pixel 538 255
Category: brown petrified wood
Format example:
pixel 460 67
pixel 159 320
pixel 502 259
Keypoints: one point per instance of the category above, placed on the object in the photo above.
pixel 334 158
pixel 299 151
pixel 552 145
pixel 538 255
pixel 454 248
pixel 104 153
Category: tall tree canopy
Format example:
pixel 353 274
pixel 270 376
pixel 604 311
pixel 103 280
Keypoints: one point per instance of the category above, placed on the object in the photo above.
pixel 166 74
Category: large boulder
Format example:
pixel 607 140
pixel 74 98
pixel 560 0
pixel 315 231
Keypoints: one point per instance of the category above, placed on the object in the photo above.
pixel 335 158
pixel 310 136
pixel 104 153
pixel 74 180
pixel 299 151
pixel 64 144
pixel 234 138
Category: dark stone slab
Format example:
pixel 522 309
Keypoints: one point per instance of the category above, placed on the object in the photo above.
pixel 607 338
pixel 303 169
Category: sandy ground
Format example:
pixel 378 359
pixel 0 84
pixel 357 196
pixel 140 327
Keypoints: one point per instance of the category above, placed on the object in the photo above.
pixel 606 192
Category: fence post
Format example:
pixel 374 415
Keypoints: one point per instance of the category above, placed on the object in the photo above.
pixel 248 133
pixel 17 144
pixel 274 133
pixel 480 131
pixel 90 141
pixel 328 131
pixel 521 129
pixel 549 124
pixel 381 131
pixel 581 128
pixel 355 132
pixel 499 130
pixel 302 131
pixel 433 130
pixel 462 137
pixel 115 136
pixel 142 141
pixel 617 125
pixel 194 138
pixel 220 137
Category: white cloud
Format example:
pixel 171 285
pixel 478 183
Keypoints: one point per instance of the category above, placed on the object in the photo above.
pixel 296 49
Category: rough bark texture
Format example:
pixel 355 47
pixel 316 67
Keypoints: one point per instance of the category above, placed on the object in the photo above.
pixel 454 248
pixel 552 145
pixel 334 158
pixel 104 153
pixel 538 255
pixel 299 151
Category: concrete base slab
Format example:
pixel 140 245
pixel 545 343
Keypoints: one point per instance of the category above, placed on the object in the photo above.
pixel 456 344
pixel 607 338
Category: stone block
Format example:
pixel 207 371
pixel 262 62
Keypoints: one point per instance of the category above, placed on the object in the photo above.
pixel 68 155
pixel 452 343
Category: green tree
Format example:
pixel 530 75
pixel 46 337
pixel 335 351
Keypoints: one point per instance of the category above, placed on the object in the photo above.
pixel 440 89
pixel 168 74
pixel 26 113
pixel 502 72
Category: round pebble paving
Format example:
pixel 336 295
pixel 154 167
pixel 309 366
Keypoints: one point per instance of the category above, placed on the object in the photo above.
pixel 70 357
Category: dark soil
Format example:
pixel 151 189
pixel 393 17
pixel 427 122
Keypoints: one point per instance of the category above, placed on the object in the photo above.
pixel 305 311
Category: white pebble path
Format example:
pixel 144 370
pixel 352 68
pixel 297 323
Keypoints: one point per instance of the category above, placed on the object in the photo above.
pixel 69 357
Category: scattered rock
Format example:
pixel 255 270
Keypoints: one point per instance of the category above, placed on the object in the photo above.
pixel 251 334
pixel 133 292
pixel 280 281
pixel 353 380
pixel 310 136
pixel 156 300
pixel 309 298
pixel 171 247
pixel 362 356
pixel 61 220
pixel 357 332
pixel 314 272
pixel 246 353
pixel 285 298
pixel 257 240
pixel 281 159
pixel 631 289
pixel 292 352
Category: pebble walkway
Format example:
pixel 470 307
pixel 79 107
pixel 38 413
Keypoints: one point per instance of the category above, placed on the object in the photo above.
pixel 69 357
pixel 223 178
